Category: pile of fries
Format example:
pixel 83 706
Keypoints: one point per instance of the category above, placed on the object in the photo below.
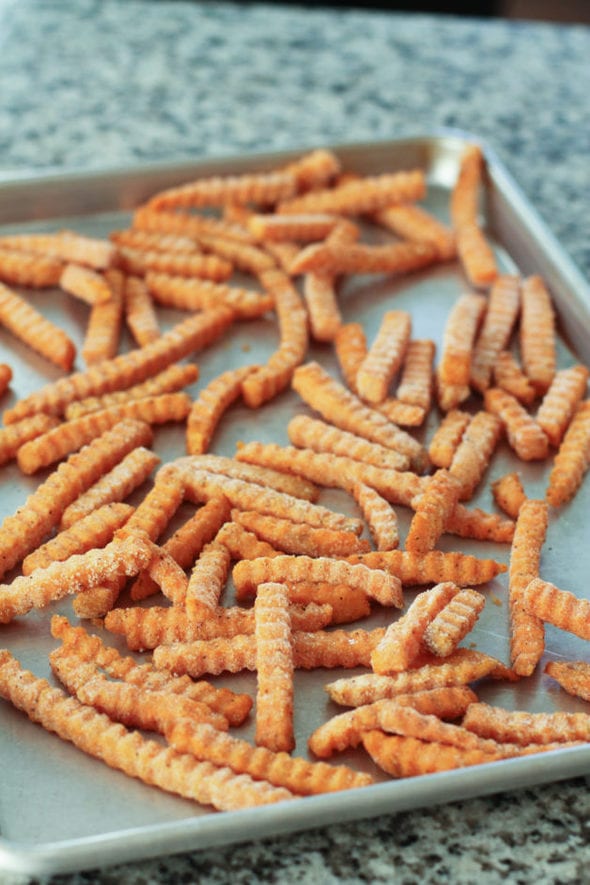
pixel 302 573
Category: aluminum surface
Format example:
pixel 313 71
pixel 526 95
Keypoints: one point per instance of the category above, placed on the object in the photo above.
pixel 60 810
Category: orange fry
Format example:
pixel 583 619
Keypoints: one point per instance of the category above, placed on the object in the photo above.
pixel 207 580
pixel 15 435
pixel 252 473
pixel 66 245
pixel 97 735
pixel 194 293
pixel 180 264
pixel 341 408
pixel 447 437
pixel 5 377
pixel 72 435
pixel 561 401
pixel 95 530
pixel 243 544
pixel 449 396
pixel 305 432
pixel 403 638
pixel 152 241
pixel 384 357
pixel 274 669
pixel 263 188
pixel 453 622
pixel 572 676
pixel 298 538
pixel 25 323
pixel 348 258
pixel 369 194
pixel 243 256
pixel 140 314
pixel 481 526
pixel 432 568
pixel 477 256
pixel 561 608
pixel 459 336
pixel 498 322
pixel 537 334
pixel 572 460
pixel 415 385
pixel 351 348
pixel 523 728
pixel 411 222
pixel 433 508
pixel 527 634
pixel 402 756
pixel 524 434
pixel 313 169
pixel 379 515
pixel 509 377
pixel 22 532
pixel 130 368
pixel 104 325
pixel 509 494
pixel 85 283
pixel 182 224
pixel 299 228
pixel 208 408
pixel 465 194
pixel 474 452
pixel 348 604
pixel 28 269
pixel 319 294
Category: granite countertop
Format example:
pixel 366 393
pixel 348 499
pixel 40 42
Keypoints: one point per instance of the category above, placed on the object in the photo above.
pixel 95 84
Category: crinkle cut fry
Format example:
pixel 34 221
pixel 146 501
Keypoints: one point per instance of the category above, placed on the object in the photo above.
pixel 572 676
pixel 72 435
pixel 509 377
pixel 113 486
pixel 182 224
pixel 172 379
pixel 154 242
pixel 140 313
pixel 349 258
pixel 474 452
pixel 477 256
pixel 22 532
pixel 15 435
pixel 66 245
pixel 433 568
pixel 97 735
pixel 182 264
pixel 523 728
pixel 379 515
pixel 86 284
pixel 249 496
pixel 412 222
pixel 356 197
pixel 43 336
pixel 299 538
pixel 345 729
pixel 314 169
pixel 449 396
pixel 509 494
pixel 27 269
pixel 243 544
pixel 187 542
pixel 347 603
pixel 78 573
pixel 340 407
pixel 563 609
pixel 403 756
pixel 415 384
pixel 127 369
pixel 336 471
pixel 338 648
pixel 351 347
pixel 537 334
pixel 296 774
pixel 384 357
pixel 263 188
pixel 311 433
pixel 479 525
pixel 572 460
pixel 561 401
pixel 234 707
pixel 527 641
pixel 465 194
pixel 274 668
pixel 303 228
pixel 459 335
pixel 447 437
pixel 195 293
pixel 94 530
pixel 207 410
pixel 461 667
pixel 524 434
pixel 319 294
pixel 207 581
pixel 453 622
pixel 432 510
pixel 248 574
pixel 403 638
pixel 276 375
pixel 104 324
pixel 497 326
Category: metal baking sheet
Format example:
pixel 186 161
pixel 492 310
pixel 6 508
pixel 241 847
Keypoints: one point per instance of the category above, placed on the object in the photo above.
pixel 60 810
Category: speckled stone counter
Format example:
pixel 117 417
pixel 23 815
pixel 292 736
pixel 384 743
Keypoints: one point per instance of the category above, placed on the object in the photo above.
pixel 92 84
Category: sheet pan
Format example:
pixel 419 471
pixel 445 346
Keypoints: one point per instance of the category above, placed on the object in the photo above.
pixel 61 811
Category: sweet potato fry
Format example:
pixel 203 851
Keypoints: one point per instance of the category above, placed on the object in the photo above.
pixel 351 347
pixel 384 357
pixel 572 676
pixel 465 194
pixel 66 245
pixel 561 608
pixel 263 188
pixel 453 622
pixel 274 669
pixel 450 396
pixel 23 531
pixel 509 377
pixel 319 293
pixel 401 413
pixel 114 486
pixel 314 169
pixel 403 638
pixel 433 508
pixel 474 452
pixel 479 525
pixel 524 434
pixel 403 756
pixel 298 228
pixel 207 580
pixel 26 324
pixel 152 241
pixel 84 283
pixel 340 258
pixel 312 433
pixel 207 410
pixel 94 530
pixel 572 459
pixel 498 322
pixel 561 401
pixel 97 735
pixel 341 408
pixel 195 264
pixel 201 294
pixel 433 568
pixel 477 256
pixel 415 385
pixel 527 634
pixel 459 335
pixel 15 435
pixel 523 728
pixel 411 222
pixel 182 224
pixel 243 544
pixel 140 313
pixel 252 473
pixel 379 515
pixel 299 538
pixel 537 334
pixel 509 494
pixel 131 368
pixel 369 194
pixel 104 325
pixel 296 774
pixel 243 256
pixel 447 437
pixel 28 269
pixel 348 604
